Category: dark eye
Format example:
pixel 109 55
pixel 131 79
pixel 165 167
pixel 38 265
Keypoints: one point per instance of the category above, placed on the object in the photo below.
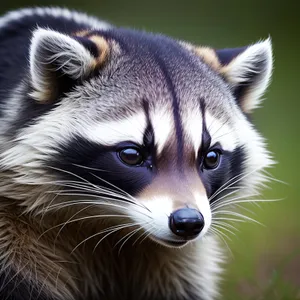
pixel 211 160
pixel 131 156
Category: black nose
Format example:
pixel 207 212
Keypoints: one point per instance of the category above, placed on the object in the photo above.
pixel 186 222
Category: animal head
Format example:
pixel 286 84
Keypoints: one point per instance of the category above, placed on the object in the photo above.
pixel 141 126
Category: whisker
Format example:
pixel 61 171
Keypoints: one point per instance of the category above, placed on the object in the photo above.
pixel 99 190
pixel 150 232
pixel 225 224
pixel 269 176
pixel 234 200
pixel 85 201
pixel 67 222
pixel 109 229
pixel 220 235
pixel 96 203
pixel 228 219
pixel 113 231
pixel 86 181
pixel 216 202
pixel 236 214
pixel 228 203
pixel 224 228
pixel 127 239
pixel 118 189
pixel 82 219
pixel 231 182
pixel 145 233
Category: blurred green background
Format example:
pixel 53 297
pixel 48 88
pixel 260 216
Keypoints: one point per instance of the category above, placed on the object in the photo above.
pixel 265 260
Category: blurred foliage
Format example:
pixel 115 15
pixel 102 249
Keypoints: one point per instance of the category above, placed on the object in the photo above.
pixel 265 261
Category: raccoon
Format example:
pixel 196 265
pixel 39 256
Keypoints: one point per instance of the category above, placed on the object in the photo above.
pixel 121 154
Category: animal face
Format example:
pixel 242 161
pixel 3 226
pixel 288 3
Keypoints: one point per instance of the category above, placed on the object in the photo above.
pixel 148 130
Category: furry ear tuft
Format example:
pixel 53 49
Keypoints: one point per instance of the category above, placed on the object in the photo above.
pixel 248 70
pixel 56 60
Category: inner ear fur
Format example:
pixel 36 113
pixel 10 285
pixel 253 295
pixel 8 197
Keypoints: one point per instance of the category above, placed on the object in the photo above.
pixel 58 61
pixel 247 70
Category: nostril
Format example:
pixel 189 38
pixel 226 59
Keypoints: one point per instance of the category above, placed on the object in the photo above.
pixel 186 222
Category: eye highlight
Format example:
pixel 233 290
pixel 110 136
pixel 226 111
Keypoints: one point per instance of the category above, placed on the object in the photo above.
pixel 131 156
pixel 211 159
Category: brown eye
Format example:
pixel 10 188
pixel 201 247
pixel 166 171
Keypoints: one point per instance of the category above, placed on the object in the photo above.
pixel 211 160
pixel 131 156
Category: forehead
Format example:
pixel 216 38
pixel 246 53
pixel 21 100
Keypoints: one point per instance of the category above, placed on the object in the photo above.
pixel 157 70
pixel 153 80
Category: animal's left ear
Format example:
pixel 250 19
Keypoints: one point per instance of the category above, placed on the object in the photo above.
pixel 248 70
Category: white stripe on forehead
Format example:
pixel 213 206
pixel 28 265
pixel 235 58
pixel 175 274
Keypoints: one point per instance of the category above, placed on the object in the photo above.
pixel 163 126
pixel 192 127
pixel 131 129
pixel 221 132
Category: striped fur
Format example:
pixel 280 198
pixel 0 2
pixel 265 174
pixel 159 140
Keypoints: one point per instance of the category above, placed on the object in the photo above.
pixel 77 222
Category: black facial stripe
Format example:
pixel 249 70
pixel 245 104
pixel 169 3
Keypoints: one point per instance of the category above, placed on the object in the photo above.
pixel 206 138
pixel 176 114
pixel 92 161
pixel 231 165
pixel 148 139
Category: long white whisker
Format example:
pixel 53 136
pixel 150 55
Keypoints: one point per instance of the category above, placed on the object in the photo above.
pixel 269 176
pixel 245 201
pixel 96 203
pixel 68 221
pixel 223 228
pixel 110 230
pixel 224 224
pixel 119 228
pixel 230 183
pixel 234 200
pixel 215 203
pixel 118 189
pixel 220 235
pixel 241 216
pixel 82 219
pixel 100 200
pixel 228 219
pixel 130 235
pixel 150 231
pixel 95 186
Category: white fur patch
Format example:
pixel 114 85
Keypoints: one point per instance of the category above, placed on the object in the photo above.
pixel 257 156
pixel 109 133
pixel 161 207
pixel 221 132
pixel 192 126
pixel 163 126
pixel 204 207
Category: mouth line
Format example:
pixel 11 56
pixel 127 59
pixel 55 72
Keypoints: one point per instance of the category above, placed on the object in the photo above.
pixel 174 243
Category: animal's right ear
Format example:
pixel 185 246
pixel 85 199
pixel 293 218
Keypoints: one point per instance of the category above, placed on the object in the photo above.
pixel 58 61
